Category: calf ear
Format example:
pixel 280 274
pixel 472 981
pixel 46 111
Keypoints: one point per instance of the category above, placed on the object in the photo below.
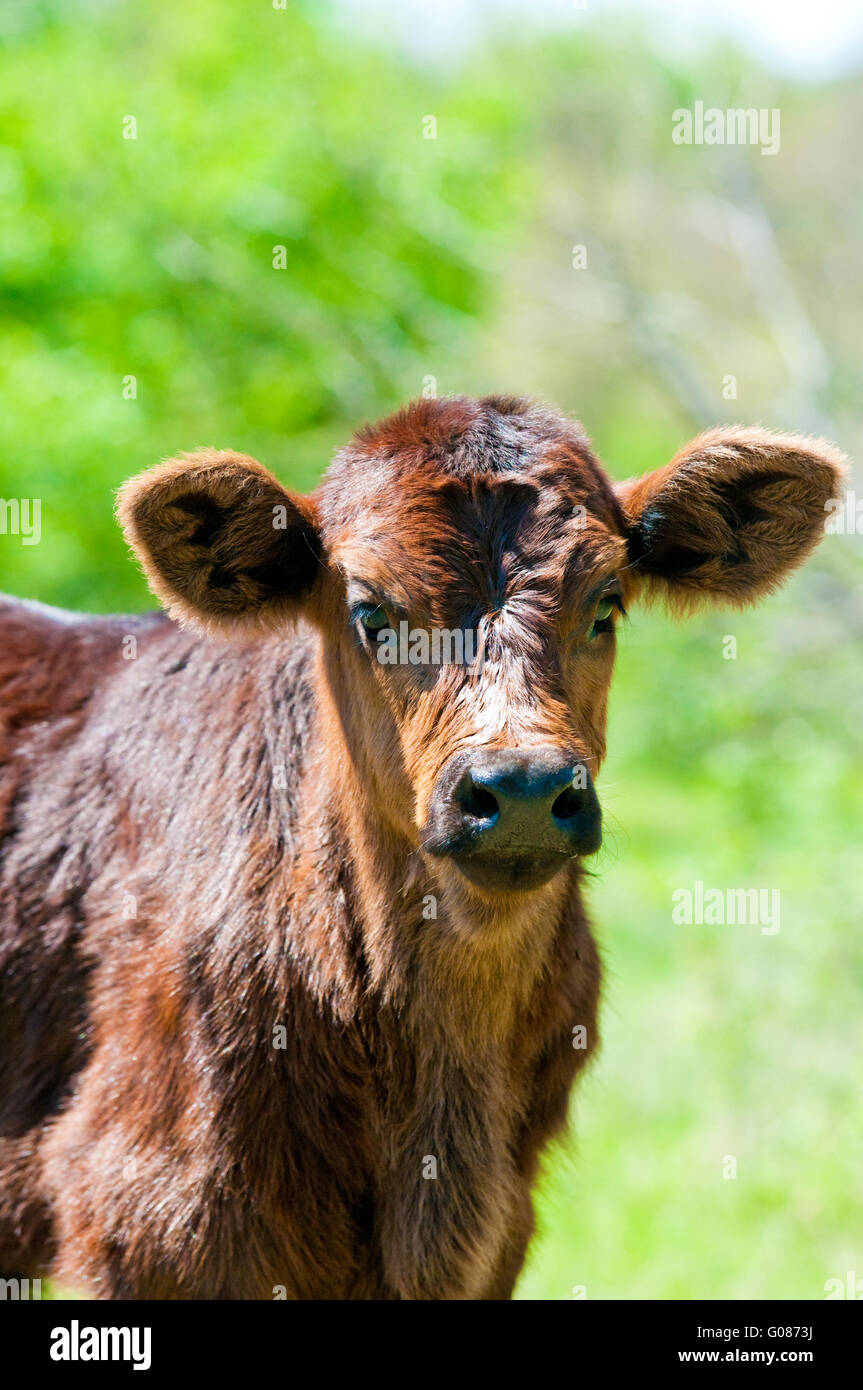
pixel 731 515
pixel 222 543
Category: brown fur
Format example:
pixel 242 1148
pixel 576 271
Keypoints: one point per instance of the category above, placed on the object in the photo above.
pixel 213 840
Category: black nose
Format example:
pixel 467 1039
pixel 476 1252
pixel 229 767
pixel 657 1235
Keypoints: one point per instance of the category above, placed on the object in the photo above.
pixel 511 805
pixel 535 800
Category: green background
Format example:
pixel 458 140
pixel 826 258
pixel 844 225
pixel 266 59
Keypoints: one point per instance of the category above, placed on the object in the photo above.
pixel 409 259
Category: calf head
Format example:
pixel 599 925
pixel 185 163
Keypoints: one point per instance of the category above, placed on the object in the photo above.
pixel 466 564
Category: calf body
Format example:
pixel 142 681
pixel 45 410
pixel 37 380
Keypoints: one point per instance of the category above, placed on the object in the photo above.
pixel 295 975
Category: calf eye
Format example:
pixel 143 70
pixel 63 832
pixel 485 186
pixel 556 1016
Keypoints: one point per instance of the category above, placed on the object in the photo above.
pixel 603 620
pixel 372 619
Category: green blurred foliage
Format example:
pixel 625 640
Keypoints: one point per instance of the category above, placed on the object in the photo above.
pixel 153 257
pixel 452 258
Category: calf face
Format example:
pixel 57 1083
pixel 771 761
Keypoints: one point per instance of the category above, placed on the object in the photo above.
pixel 466 564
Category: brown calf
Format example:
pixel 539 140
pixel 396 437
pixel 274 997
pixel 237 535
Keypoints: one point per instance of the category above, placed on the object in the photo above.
pixel 292 945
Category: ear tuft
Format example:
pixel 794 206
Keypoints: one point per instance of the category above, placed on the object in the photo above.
pixel 222 543
pixel 732 514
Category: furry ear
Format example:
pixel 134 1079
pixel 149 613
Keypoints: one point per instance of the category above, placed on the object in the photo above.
pixel 732 514
pixel 222 543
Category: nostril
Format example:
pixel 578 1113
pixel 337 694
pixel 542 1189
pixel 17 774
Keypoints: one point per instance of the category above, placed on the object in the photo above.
pixel 567 804
pixel 477 802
